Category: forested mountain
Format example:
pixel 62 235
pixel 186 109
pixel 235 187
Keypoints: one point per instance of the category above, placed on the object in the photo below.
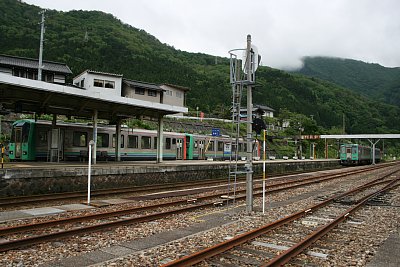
pixel 99 41
pixel 371 80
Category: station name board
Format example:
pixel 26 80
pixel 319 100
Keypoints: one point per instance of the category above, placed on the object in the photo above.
pixel 310 137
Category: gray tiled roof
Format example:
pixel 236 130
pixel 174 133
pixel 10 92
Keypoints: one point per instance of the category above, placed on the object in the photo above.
pixel 104 73
pixel 183 88
pixel 265 108
pixel 144 85
pixel 256 107
pixel 32 63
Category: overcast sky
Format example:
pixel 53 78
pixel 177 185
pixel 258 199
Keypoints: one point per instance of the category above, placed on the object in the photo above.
pixel 283 30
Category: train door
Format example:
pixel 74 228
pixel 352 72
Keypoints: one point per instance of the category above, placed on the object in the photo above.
pixel 201 149
pixel 256 150
pixel 348 152
pixel 56 140
pixel 189 145
pixel 179 148
pixel 227 150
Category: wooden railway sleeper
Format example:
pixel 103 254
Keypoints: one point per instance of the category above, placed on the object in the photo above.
pixel 240 239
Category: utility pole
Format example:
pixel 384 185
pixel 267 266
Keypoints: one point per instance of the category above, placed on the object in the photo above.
pixel 249 64
pixel 41 46
pixel 249 156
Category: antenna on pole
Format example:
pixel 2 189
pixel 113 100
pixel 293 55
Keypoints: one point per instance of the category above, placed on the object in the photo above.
pixel 242 73
pixel 41 45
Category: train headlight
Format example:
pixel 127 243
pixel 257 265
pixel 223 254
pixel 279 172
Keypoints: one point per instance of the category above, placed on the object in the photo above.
pixel 25 153
pixel 11 152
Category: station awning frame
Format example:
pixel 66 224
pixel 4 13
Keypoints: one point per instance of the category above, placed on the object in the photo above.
pixel 25 95
pixel 372 138
pixel 360 136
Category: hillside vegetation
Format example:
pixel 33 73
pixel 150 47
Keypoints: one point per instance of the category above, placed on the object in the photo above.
pixel 99 41
pixel 370 80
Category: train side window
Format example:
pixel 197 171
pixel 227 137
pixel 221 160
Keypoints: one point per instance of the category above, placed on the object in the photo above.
pixel 174 141
pixel 102 140
pixel 79 139
pixel 196 144
pixel 168 143
pixel 233 147
pixel 155 143
pixel 211 146
pixel 25 132
pixel 42 137
pixel 146 142
pixel 220 146
pixel 244 147
pixel 122 141
pixel 133 141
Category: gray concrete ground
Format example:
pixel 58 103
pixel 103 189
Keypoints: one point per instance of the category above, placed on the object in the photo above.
pixel 388 254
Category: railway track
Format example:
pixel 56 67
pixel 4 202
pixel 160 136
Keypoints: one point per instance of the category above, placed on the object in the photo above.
pixel 24 200
pixel 45 198
pixel 16 201
pixel 115 222
pixel 298 230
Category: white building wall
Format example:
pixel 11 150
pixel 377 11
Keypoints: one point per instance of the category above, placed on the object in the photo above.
pixel 89 79
pixel 173 96
pixel 130 93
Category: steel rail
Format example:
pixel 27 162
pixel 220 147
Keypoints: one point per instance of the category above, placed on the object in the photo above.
pixel 245 237
pixel 28 227
pixel 296 249
pixel 23 200
pixel 13 244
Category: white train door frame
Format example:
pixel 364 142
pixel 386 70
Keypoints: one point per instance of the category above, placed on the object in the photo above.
pixel 201 149
pixel 179 148
pixel 56 141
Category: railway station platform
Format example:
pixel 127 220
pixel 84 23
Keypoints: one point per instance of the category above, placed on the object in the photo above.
pixel 387 255
pixel 33 178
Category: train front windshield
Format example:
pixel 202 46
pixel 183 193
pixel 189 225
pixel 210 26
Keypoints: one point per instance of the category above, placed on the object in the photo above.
pixel 19 135
pixel 20 132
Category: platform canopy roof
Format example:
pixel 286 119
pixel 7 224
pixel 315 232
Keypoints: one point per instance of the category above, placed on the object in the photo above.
pixel 25 95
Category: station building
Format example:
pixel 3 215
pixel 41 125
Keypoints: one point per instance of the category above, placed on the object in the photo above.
pixel 93 95
pixel 115 85
pixel 52 72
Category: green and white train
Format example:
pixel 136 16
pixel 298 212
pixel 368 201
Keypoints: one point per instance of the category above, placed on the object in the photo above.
pixel 39 141
pixel 355 154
